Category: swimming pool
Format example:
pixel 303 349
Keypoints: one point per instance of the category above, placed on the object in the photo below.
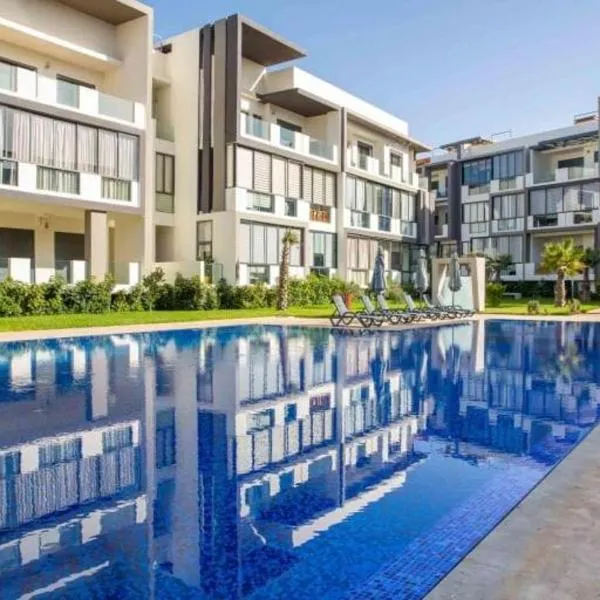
pixel 269 462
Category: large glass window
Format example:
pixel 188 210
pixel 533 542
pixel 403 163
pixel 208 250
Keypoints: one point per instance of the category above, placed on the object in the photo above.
pixel 477 172
pixel 407 207
pixel 508 166
pixel 568 198
pixel 261 244
pixel 324 250
pixel 508 206
pixel 475 212
pixel 495 246
pixel 28 137
pixel 204 240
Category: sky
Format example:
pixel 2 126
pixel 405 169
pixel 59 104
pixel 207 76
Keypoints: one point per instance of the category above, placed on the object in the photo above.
pixel 450 68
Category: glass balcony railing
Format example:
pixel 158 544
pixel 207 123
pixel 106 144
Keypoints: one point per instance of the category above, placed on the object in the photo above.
pixel 360 219
pixel 164 203
pixel 257 127
pixel 8 172
pixel 545 220
pixel 583 216
pixel 57 180
pixel 116 108
pixel 67 93
pixel 116 189
pixel 408 228
pixel 287 137
pixel 384 223
pixel 260 202
pixel 321 149
pixel 506 224
pixel 8 77
pixel 507 184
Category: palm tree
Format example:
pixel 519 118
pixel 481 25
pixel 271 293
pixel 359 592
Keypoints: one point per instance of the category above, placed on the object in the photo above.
pixel 500 263
pixel 565 259
pixel 289 239
pixel 590 260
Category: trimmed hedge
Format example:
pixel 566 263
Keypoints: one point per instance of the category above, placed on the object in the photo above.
pixel 153 293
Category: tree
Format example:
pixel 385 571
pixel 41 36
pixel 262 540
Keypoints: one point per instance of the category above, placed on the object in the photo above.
pixel 289 239
pixel 590 260
pixel 496 265
pixel 565 259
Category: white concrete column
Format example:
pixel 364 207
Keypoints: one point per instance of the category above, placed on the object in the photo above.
pixel 44 254
pixel 96 244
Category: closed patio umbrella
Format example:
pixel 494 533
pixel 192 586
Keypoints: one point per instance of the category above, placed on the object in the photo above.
pixel 454 281
pixel 422 274
pixel 378 279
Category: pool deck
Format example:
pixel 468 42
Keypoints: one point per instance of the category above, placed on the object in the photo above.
pixel 547 548
pixel 14 336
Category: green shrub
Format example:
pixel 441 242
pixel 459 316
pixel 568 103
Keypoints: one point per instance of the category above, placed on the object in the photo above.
pixel 574 306
pixel 54 291
pixel 34 302
pixel 9 307
pixel 165 297
pixel 153 284
pixel 119 302
pixel 226 294
pixel 534 307
pixel 253 296
pixel 89 296
pixel 138 298
pixel 494 293
pixel 188 293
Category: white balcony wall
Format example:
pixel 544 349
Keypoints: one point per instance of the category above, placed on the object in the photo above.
pixel 237 200
pixel 564 219
pixel 271 134
pixel 442 231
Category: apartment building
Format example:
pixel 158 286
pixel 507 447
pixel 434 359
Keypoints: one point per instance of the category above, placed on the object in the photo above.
pixel 515 195
pixel 249 147
pixel 75 89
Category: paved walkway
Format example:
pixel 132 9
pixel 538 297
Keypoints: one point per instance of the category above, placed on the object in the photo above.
pixel 548 548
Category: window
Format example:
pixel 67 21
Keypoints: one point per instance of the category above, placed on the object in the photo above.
pixel 261 244
pixel 570 162
pixel 324 250
pixel 477 173
pixel 165 438
pixel 508 166
pixel 55 180
pixel 364 151
pixel 568 198
pixel 8 172
pixel 204 240
pixel 508 206
pixel 407 207
pixel 165 173
pixel 395 160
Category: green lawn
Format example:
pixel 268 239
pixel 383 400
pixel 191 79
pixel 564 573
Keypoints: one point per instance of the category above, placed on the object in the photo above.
pixel 143 318
pixel 511 306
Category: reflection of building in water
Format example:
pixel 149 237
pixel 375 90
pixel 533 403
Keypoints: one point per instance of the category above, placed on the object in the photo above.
pixel 535 392
pixel 71 501
pixel 297 431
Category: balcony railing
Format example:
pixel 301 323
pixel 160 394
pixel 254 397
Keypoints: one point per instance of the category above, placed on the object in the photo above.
pixel 408 228
pixel 384 223
pixel 260 202
pixel 116 189
pixel 321 149
pixel 506 224
pixel 28 83
pixel 57 180
pixel 550 220
pixel 8 77
pixel 320 214
pixel 360 219
pixel 164 203
pixel 8 172
pixel 583 216
pixel 507 184
pixel 117 108
pixel 257 127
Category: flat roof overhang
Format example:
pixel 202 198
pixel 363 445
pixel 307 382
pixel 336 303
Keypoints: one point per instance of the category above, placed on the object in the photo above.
pixel 474 141
pixel 262 46
pixel 300 102
pixel 565 142
pixel 115 12
pixel 405 139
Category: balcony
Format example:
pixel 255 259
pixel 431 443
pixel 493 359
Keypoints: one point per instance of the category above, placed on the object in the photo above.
pixel 441 231
pixel 360 219
pixel 583 217
pixel 50 181
pixel 509 184
pixel 440 195
pixel 244 201
pixel 275 135
pixel 320 213
pixel 562 175
pixel 374 166
pixel 504 225
pixel 260 202
pixel 27 83
pixel 384 223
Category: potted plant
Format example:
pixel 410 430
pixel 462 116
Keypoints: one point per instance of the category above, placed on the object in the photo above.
pixel 348 291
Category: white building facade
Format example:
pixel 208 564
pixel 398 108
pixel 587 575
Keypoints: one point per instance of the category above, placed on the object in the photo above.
pixel 516 195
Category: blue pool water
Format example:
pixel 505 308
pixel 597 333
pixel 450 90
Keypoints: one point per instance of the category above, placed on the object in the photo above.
pixel 263 462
